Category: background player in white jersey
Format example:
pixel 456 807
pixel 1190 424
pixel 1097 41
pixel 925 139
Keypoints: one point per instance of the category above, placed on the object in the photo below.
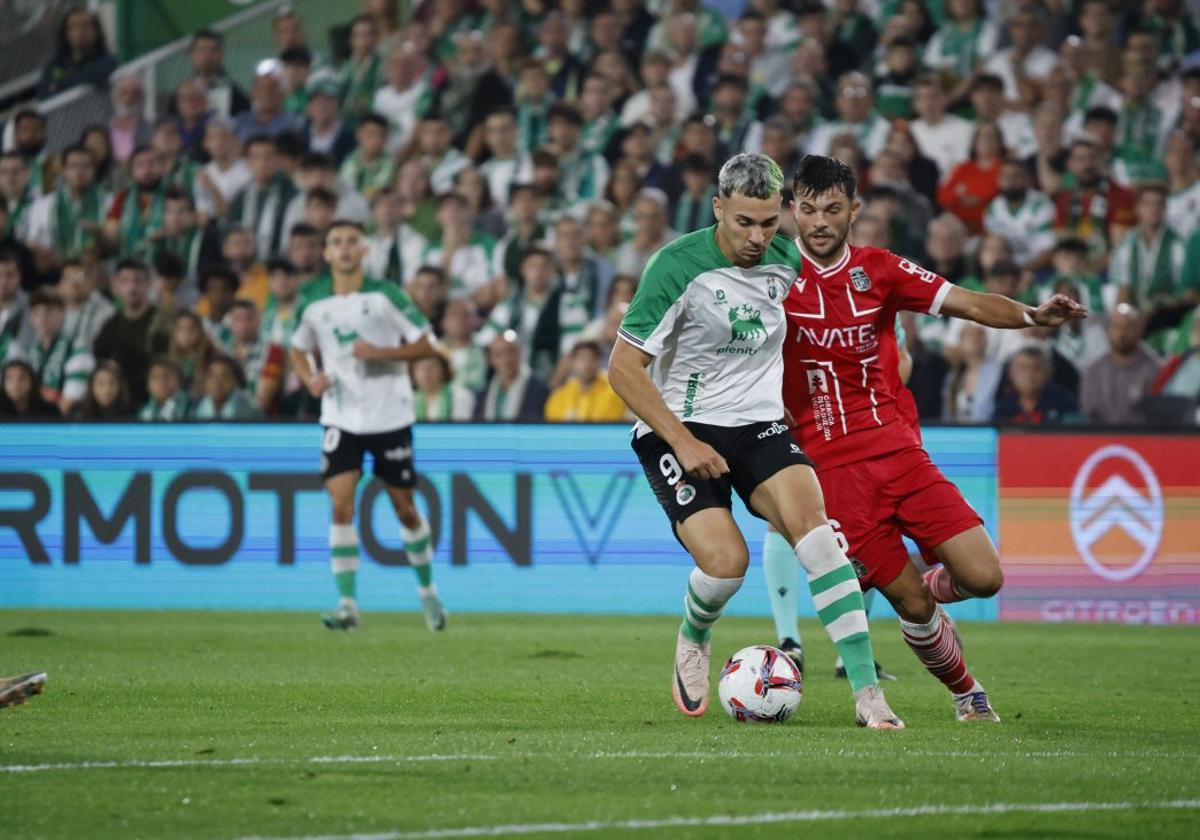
pixel 699 363
pixel 366 332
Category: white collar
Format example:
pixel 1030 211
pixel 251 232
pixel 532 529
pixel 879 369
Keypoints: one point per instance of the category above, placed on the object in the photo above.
pixel 831 270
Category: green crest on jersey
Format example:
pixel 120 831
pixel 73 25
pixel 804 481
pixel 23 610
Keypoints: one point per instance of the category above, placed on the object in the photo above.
pixel 344 337
pixel 745 325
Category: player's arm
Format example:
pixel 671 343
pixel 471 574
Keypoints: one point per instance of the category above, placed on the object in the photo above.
pixel 629 378
pixel 1007 314
pixel 314 380
pixel 407 352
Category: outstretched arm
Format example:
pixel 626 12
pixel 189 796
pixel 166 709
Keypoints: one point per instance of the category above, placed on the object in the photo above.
pixel 1006 313
pixel 409 352
pixel 628 376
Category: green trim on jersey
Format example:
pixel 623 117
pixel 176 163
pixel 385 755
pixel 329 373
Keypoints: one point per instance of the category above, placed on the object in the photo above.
pixel 314 290
pixel 676 264
pixel 320 288
pixel 398 299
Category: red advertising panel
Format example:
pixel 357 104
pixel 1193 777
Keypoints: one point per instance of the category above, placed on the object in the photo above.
pixel 1100 528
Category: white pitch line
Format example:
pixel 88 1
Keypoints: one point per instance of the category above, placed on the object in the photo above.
pixel 724 820
pixel 255 761
pixel 237 762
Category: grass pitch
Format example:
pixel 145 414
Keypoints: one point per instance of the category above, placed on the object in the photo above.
pixel 220 725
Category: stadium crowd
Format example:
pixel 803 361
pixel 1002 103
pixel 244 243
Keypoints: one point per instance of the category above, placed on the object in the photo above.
pixel 516 164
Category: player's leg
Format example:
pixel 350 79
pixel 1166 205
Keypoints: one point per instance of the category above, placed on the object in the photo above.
pixel 927 630
pixel 16 690
pixel 712 538
pixel 394 466
pixel 791 501
pixel 343 549
pixel 418 544
pixel 881 673
pixel 699 512
pixel 782 572
pixel 970 567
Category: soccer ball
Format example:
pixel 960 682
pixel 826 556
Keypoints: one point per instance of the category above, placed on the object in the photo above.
pixel 760 684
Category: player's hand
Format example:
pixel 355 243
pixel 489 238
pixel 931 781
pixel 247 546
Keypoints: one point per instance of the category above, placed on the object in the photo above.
pixel 700 460
pixel 788 419
pixel 367 351
pixel 1058 310
pixel 318 385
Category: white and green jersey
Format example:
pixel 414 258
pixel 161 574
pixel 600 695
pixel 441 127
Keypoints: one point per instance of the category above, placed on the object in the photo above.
pixel 365 397
pixel 714 329
pixel 1183 210
pixel 1028 230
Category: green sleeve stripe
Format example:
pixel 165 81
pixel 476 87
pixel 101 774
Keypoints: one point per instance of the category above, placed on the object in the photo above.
pixel 314 290
pixel 630 337
pixel 663 282
pixel 400 300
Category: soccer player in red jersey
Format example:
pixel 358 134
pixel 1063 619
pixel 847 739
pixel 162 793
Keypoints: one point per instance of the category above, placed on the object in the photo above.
pixel 855 420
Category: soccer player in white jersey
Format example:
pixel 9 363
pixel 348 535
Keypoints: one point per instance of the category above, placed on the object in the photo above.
pixel 699 363
pixel 366 332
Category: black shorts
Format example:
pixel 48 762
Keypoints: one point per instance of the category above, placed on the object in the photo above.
pixel 754 453
pixel 392 452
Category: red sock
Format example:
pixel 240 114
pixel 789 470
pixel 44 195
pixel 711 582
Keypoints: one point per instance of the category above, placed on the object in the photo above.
pixel 937 647
pixel 943 588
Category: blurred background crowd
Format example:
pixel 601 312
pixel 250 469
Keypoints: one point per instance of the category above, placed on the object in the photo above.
pixel 516 163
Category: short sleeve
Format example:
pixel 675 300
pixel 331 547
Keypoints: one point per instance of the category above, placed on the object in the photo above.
pixel 657 305
pixel 915 288
pixel 411 321
pixel 304 338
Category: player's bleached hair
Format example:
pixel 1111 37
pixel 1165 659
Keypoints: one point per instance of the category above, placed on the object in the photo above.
pixel 754 176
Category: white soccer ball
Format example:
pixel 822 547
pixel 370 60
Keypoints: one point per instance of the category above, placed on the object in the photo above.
pixel 760 684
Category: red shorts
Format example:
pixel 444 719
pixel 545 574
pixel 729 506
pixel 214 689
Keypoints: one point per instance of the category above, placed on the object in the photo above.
pixel 875 503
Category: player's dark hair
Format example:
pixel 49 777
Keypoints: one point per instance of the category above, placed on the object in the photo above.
pixel 344 223
pixel 818 174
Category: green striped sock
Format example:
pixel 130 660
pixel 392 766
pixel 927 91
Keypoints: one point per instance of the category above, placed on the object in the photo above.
pixel 703 603
pixel 839 602
pixel 343 558
pixel 418 543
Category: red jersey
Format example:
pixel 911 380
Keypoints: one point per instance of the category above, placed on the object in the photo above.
pixel 840 361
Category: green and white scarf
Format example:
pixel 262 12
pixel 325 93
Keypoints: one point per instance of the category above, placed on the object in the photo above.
pixel 138 224
pixel 358 85
pixel 369 178
pixel 444 405
pixel 1160 277
pixel 70 238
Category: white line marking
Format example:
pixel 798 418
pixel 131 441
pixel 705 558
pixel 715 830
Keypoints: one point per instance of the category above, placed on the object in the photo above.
pixel 256 761
pixel 252 761
pixel 759 819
